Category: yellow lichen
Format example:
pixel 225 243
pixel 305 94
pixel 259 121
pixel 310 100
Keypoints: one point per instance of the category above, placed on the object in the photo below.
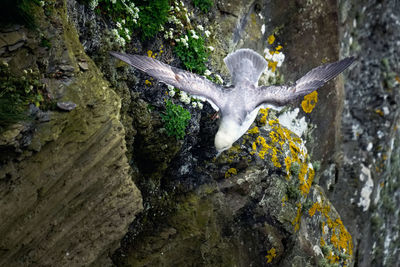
pixel 271 39
pixel 284 199
pixel 309 102
pixel 230 172
pixel 288 163
pixel 263 119
pixel 272 65
pixel 340 238
pixel 147 82
pixel 296 221
pixel 151 54
pixel 271 254
pixel 254 130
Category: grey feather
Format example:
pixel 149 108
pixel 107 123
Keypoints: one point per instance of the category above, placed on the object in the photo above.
pixel 314 79
pixel 184 80
pixel 245 65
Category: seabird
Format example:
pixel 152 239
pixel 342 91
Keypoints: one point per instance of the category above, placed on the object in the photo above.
pixel 238 104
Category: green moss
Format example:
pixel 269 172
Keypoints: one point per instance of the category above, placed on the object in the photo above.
pixel 16 93
pixel 176 118
pixel 203 5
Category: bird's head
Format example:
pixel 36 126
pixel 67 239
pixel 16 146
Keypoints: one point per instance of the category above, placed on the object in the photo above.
pixel 226 135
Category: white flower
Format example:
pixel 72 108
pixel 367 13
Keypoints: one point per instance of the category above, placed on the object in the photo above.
pixel 128 37
pixel 171 93
pixel 182 4
pixel 123 21
pixel 93 4
pixel 177 9
pixel 195 36
pixel 119 25
pixel 210 48
pixel 5 64
pixel 219 79
pixel 113 1
pixel 200 27
pixel 41 3
pixel 207 33
pixel 187 18
pixel 207 73
pixel 115 32
pixel 184 97
pixel 170 87
pixel 121 41
pixel 126 30
pixel 194 104
pixel 200 105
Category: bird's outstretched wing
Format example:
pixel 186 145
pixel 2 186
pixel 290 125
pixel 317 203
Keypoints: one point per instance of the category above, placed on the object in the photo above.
pixel 314 79
pixel 184 80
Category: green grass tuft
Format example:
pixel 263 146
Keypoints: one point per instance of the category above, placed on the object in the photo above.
pixel 194 56
pixel 153 14
pixel 175 119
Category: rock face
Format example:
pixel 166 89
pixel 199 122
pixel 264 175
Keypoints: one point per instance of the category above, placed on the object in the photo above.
pixel 66 192
pixel 299 189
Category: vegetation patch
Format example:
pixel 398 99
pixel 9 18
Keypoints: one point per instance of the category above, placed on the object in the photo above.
pixel 192 52
pixel 16 93
pixel 175 119
pixel 203 5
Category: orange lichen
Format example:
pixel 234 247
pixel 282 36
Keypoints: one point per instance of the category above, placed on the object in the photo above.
pixel 340 238
pixel 275 159
pixel 230 172
pixel 309 102
pixel 306 177
pixel 271 255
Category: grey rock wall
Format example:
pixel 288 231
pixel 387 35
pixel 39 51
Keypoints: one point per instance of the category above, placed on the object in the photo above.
pixel 66 189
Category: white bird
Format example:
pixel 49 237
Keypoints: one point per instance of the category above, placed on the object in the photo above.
pixel 239 103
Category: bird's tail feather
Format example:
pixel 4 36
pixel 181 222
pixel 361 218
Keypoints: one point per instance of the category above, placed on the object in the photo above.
pixel 245 64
